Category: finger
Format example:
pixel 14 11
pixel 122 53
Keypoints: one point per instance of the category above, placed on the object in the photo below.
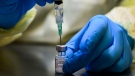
pixel 27 5
pixel 69 53
pixel 73 43
pixel 110 55
pixel 80 58
pixel 50 1
pixel 96 31
pixel 125 61
pixel 75 63
pixel 41 2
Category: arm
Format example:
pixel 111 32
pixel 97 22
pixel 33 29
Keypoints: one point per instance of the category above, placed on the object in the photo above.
pixel 15 17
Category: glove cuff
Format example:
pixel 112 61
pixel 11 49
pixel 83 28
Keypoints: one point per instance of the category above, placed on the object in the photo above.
pixel 125 17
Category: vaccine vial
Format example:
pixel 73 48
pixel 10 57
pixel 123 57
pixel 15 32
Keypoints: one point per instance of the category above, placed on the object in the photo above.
pixel 60 58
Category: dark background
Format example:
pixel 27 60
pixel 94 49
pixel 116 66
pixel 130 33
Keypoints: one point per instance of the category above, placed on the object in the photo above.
pixel 39 60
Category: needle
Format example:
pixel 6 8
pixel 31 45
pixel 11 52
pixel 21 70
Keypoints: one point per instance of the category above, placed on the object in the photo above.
pixel 60 40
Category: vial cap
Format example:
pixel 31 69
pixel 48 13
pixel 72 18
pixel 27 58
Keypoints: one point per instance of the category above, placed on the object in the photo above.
pixel 61 48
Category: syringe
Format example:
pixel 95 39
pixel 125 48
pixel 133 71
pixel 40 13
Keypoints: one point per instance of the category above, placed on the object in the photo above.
pixel 58 4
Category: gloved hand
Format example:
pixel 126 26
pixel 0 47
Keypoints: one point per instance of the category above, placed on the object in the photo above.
pixel 11 11
pixel 101 45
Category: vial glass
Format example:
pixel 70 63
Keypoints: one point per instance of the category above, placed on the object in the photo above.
pixel 60 58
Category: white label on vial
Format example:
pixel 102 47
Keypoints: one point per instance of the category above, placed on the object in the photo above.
pixel 59 65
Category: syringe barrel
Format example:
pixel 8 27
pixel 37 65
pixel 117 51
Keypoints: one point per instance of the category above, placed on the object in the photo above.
pixel 59 13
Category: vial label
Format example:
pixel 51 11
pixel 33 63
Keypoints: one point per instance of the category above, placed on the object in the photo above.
pixel 59 64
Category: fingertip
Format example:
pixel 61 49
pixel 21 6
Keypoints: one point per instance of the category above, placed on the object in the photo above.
pixel 100 16
pixel 75 63
pixel 69 52
pixel 68 66
pixel 41 2
pixel 50 1
pixel 65 67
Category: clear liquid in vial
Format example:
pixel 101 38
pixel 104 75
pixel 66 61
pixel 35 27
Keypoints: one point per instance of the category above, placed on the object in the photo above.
pixel 59 61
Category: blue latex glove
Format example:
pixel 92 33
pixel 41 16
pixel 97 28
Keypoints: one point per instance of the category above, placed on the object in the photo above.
pixel 11 11
pixel 101 45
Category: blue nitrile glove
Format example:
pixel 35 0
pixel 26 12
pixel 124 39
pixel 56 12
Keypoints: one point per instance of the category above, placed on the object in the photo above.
pixel 101 45
pixel 11 11
pixel 43 2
